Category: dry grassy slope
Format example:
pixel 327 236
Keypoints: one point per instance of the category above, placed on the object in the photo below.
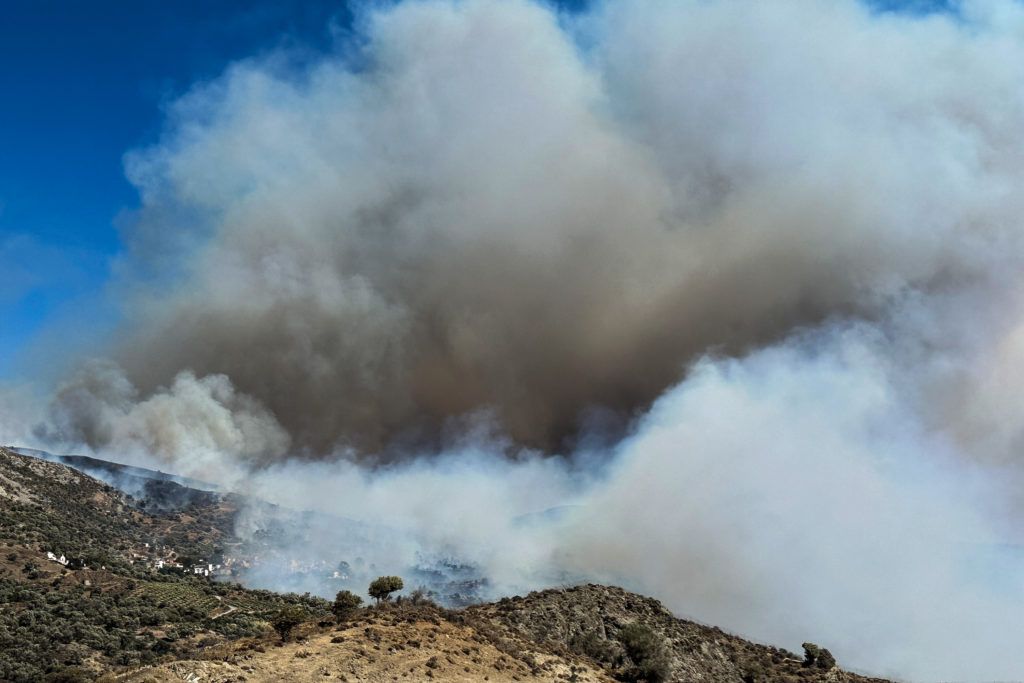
pixel 400 643
pixel 545 636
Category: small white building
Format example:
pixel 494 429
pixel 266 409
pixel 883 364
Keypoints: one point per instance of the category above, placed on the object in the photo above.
pixel 53 558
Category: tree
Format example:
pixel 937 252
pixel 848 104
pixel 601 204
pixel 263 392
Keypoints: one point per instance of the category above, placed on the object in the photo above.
pixel 383 586
pixel 345 602
pixel 287 619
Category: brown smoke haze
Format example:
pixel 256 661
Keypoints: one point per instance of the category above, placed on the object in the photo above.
pixel 484 216
pixel 738 282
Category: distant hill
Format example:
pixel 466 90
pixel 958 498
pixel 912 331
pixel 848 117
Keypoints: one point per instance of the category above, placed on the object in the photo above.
pixel 107 605
pixel 162 489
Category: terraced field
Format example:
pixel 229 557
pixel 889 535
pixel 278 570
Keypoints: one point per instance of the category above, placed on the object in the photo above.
pixel 199 598
pixel 181 596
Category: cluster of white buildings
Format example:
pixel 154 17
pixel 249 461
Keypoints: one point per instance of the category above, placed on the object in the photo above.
pixel 205 569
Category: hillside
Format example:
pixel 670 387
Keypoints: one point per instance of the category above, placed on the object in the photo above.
pixel 49 506
pixel 575 634
pixel 110 612
pixel 107 605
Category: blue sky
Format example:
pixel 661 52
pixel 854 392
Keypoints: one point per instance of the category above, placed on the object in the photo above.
pixel 81 84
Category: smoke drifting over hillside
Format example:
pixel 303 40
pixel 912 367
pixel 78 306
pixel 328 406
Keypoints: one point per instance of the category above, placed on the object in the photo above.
pixel 482 232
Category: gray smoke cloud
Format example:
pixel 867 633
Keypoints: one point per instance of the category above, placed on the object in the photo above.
pixel 791 495
pixel 472 211
pixel 752 269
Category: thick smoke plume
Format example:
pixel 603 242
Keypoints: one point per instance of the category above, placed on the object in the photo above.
pixel 732 286
pixel 471 211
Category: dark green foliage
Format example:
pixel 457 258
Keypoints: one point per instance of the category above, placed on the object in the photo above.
pixel 645 649
pixel 594 646
pixel 383 586
pixel 287 619
pixel 71 675
pixel 53 624
pixel 422 596
pixel 46 629
pixel 818 657
pixel 345 603
pixel 752 672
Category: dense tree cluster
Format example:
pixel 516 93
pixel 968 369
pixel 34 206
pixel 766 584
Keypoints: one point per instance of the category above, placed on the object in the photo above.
pixel 45 629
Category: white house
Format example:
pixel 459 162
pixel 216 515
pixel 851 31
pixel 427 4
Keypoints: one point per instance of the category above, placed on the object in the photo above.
pixel 53 558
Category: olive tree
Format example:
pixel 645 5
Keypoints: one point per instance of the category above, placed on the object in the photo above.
pixel 287 619
pixel 383 586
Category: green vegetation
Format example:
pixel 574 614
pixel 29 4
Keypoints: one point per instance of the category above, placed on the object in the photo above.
pixel 818 657
pixel 383 586
pixel 288 618
pixel 86 521
pixel 345 603
pixel 180 595
pixel 55 620
pixel 646 651
pixel 45 629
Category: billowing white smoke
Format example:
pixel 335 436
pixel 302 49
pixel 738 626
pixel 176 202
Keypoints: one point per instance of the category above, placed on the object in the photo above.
pixel 798 224
pixel 795 494
pixel 203 425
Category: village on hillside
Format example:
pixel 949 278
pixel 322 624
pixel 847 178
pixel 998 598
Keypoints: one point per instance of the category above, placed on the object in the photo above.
pixel 161 557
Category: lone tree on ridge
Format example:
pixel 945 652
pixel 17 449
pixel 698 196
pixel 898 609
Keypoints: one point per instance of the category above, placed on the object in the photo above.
pixel 383 586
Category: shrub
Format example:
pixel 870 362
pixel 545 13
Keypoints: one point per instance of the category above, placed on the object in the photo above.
pixel 72 675
pixel 752 671
pixel 345 602
pixel 594 646
pixel 644 648
pixel 818 657
pixel 422 596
